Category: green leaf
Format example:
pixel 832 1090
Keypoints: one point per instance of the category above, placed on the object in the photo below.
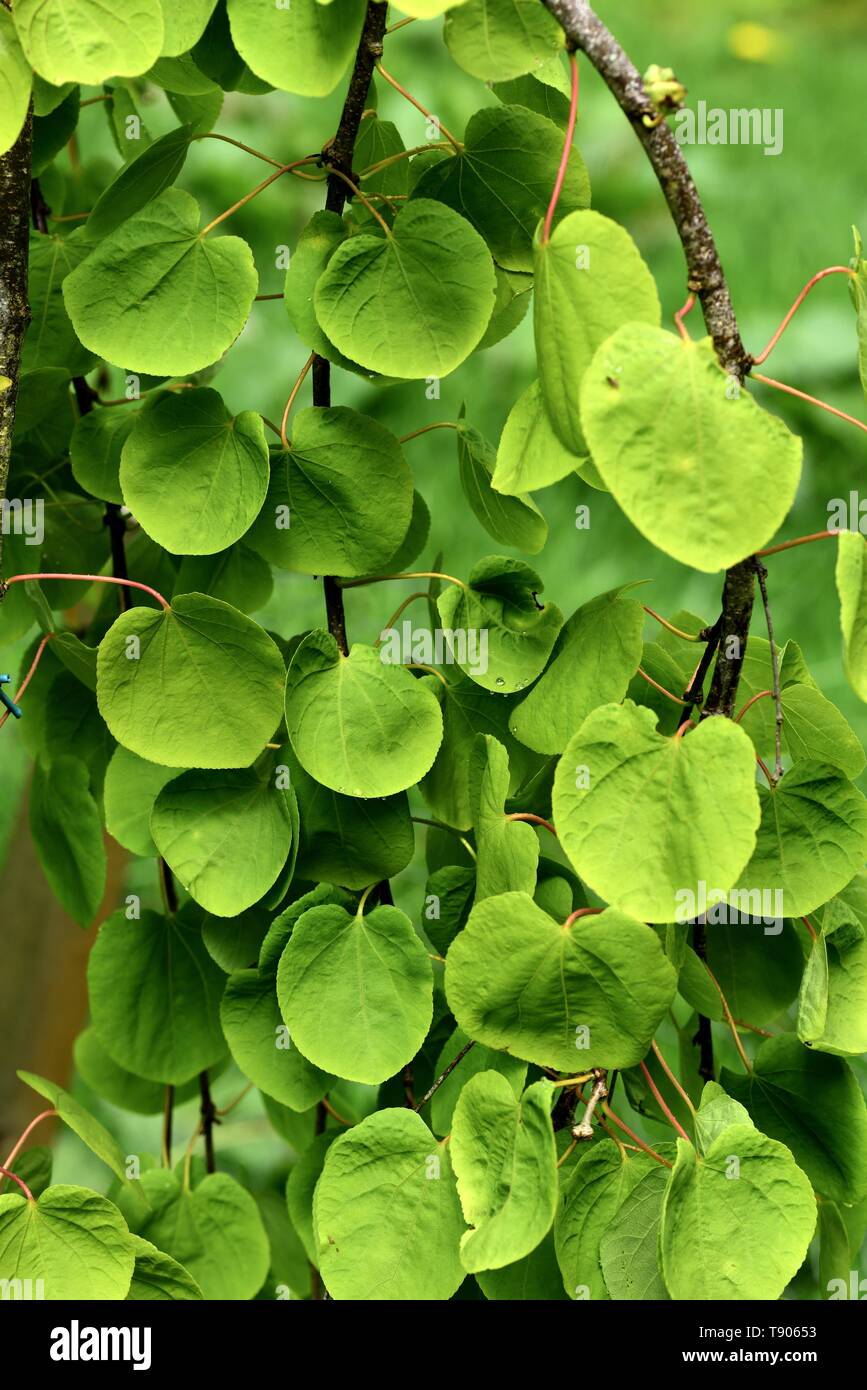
pixel 214 1231
pixel 156 296
pixel 500 598
pixel 814 728
pixel 478 1059
pixel 340 501
pixel 357 724
pixel 505 1163
pixel 234 942
pixel 67 830
pixel 71 1242
pixel 832 1008
pixel 449 894
pixel 95 450
pixel 282 927
pixel 499 39
pixel 590 280
pixel 301 1185
pixel 262 1050
pixel 16 80
pixel 467 709
pixel 201 686
pixel 157 1276
pixel 415 303
pixel 194 475
pixel 757 962
pixel 591 995
pixel 811 1102
pixel 81 1122
pixel 628 1251
pixel 154 170
pixel 852 589
pixel 596 1189
pixel 386 1213
pixel 34 1167
pixel 735 1232
pixel 50 340
pixel 595 657
pixel 237 574
pixel 513 521
pixel 507 851
pixel 536 1277
pixel 702 471
pixel 834 1258
pixel 531 455
pixel 117 1085
pixel 156 972
pixel 131 788
pixel 224 835
pixel 346 840
pixel 620 782
pixel 356 991
pixel 812 839
pixel 305 47
pixel 546 90
pixel 184 24
pixel 502 178
pixel 85 41
pixel 511 302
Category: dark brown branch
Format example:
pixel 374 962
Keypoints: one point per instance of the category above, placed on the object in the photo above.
pixel 84 398
pixel 338 155
pixel 443 1075
pixel 586 32
pixel 14 306
pixel 209 1119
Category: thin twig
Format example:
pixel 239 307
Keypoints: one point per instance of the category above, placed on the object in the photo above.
pixel 444 1075
pixel 762 575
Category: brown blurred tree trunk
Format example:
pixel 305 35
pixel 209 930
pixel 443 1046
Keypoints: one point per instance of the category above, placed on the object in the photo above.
pixel 43 963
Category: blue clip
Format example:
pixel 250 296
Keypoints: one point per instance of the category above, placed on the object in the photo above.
pixel 4 698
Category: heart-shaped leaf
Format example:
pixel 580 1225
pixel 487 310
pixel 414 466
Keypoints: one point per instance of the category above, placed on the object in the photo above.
pixel 157 1276
pixel 811 841
pixel 84 41
pixel 587 995
pixel 502 177
pixel 340 501
pixel 69 1244
pixel 828 1140
pixel 687 804
pixel 357 724
pixel 499 39
pixel 303 47
pixel 371 972
pixel 224 835
pixel 702 471
pixel 196 685
pixel 414 303
pixel 157 297
pixel 832 1009
pixel 214 1231
pixel 507 851
pixel 735 1232
pixel 386 1213
pixel 194 475
pixel 852 588
pixel 156 971
pixel 513 521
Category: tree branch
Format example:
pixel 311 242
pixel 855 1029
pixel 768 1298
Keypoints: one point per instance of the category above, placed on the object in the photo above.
pixel 338 154
pixel 14 306
pixel 585 31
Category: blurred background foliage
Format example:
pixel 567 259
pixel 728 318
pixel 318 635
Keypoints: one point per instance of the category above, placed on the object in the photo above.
pixel 776 219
